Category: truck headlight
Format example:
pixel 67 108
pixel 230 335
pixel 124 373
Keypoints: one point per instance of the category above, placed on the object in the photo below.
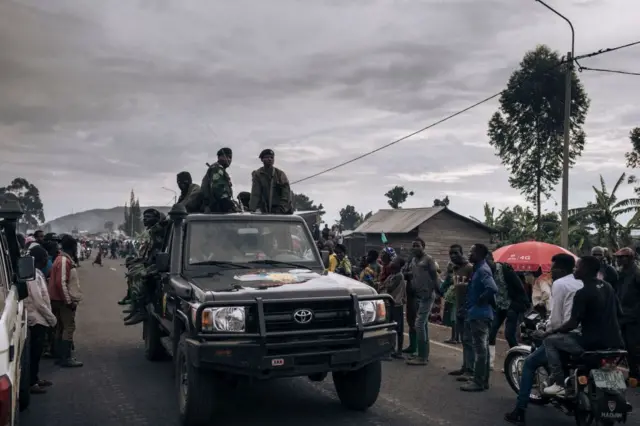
pixel 228 318
pixel 373 311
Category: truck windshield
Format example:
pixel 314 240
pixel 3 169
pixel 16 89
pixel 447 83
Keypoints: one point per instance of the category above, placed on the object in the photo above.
pixel 245 241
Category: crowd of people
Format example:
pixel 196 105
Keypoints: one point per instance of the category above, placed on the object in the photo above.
pixel 481 296
pixel 51 305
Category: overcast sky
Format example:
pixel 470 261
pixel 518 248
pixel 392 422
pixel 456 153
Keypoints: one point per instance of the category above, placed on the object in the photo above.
pixel 98 97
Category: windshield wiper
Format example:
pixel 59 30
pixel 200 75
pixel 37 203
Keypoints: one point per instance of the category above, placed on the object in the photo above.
pixel 226 265
pixel 277 262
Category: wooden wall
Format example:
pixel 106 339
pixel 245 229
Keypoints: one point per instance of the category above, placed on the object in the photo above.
pixel 445 229
pixel 438 233
pixel 401 243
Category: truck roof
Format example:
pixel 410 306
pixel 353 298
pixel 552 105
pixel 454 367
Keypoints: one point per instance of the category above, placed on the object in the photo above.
pixel 202 217
pixel 10 208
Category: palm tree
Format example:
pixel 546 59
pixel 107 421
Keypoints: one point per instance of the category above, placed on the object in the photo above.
pixel 603 214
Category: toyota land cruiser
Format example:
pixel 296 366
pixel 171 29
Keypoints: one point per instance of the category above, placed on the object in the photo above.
pixel 246 296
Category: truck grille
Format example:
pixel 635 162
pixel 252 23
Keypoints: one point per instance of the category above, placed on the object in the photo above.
pixel 326 315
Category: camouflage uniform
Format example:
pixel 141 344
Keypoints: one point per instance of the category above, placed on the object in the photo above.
pixel 191 199
pixel 144 270
pixel 217 192
pixel 136 268
pixel 270 191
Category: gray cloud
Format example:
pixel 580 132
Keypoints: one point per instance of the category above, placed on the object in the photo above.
pixel 109 96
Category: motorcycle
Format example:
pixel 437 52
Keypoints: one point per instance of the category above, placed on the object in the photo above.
pixel 595 387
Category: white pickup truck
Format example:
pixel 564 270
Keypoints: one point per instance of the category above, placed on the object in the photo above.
pixel 15 270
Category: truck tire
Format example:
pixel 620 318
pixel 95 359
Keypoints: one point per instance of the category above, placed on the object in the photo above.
pixel 24 395
pixel 359 389
pixel 196 388
pixel 153 349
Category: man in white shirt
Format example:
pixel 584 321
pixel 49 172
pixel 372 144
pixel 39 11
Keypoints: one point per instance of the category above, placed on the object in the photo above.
pixel 39 317
pixel 563 290
pixel 562 293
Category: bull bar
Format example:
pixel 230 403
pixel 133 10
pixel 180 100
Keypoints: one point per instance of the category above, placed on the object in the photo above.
pixel 291 353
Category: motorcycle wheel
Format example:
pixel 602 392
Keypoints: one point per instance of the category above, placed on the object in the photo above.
pixel 513 372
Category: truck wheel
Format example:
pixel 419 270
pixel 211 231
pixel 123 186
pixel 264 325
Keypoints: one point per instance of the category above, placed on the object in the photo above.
pixel 359 389
pixel 153 349
pixel 24 395
pixel 197 397
pixel 318 377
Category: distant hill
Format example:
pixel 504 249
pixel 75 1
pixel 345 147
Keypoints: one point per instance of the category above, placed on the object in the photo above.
pixel 93 220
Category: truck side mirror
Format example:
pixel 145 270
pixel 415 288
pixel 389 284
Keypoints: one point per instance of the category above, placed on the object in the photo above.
pixel 325 257
pixel 163 262
pixel 26 268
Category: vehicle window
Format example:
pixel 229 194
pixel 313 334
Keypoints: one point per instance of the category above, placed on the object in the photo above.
pixel 4 277
pixel 244 241
pixel 168 238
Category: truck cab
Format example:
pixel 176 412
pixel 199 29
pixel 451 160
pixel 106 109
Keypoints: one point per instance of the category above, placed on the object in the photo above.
pixel 15 270
pixel 246 297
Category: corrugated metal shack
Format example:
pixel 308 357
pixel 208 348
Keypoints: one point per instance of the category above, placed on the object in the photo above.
pixel 439 227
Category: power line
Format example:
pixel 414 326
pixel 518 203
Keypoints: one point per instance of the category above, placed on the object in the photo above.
pixel 451 116
pixel 607 50
pixel 398 140
pixel 581 68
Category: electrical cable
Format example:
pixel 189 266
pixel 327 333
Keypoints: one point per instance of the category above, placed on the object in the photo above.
pixel 607 50
pixel 447 118
pixel 451 116
pixel 581 68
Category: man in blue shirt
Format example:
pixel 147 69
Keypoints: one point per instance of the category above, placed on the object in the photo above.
pixel 480 300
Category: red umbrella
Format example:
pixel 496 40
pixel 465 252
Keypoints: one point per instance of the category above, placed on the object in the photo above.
pixel 529 256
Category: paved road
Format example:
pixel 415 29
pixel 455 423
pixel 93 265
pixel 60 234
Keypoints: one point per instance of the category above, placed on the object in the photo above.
pixel 117 386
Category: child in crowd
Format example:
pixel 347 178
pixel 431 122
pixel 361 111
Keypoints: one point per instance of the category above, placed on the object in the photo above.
pixel 396 286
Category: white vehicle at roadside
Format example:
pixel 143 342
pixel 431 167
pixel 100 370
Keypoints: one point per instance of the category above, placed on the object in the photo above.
pixel 15 270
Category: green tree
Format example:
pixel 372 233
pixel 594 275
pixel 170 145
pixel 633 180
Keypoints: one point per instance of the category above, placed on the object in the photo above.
pixel 441 203
pixel 603 214
pixel 397 196
pixel 633 156
pixel 132 216
pixel 350 218
pixel 303 203
pixel 28 196
pixel 108 226
pixel 527 130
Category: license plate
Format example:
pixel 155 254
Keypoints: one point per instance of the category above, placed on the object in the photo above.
pixel 609 379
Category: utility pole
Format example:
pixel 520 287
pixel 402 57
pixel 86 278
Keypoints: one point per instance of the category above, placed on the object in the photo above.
pixel 175 194
pixel 564 224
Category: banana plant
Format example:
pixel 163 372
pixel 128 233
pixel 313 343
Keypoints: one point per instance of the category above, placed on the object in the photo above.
pixel 604 212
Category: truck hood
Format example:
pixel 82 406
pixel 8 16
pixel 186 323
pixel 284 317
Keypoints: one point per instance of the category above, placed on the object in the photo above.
pixel 280 284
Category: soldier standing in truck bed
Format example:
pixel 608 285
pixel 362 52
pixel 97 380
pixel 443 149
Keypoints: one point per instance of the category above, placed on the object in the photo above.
pixel 189 193
pixel 270 190
pixel 216 189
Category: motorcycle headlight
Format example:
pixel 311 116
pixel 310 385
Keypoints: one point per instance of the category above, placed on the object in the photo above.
pixel 228 318
pixel 373 311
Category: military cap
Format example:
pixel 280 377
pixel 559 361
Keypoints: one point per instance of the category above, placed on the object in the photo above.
pixel 184 175
pixel 225 151
pixel 151 211
pixel 266 153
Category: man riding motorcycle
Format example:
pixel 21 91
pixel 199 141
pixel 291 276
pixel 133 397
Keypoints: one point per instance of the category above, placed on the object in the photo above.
pixel 596 309
pixel 563 290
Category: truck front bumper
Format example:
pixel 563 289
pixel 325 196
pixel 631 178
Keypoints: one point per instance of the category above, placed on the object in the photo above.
pixel 300 357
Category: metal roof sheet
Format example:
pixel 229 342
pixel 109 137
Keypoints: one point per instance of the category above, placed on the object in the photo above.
pixel 401 221
pixel 397 221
